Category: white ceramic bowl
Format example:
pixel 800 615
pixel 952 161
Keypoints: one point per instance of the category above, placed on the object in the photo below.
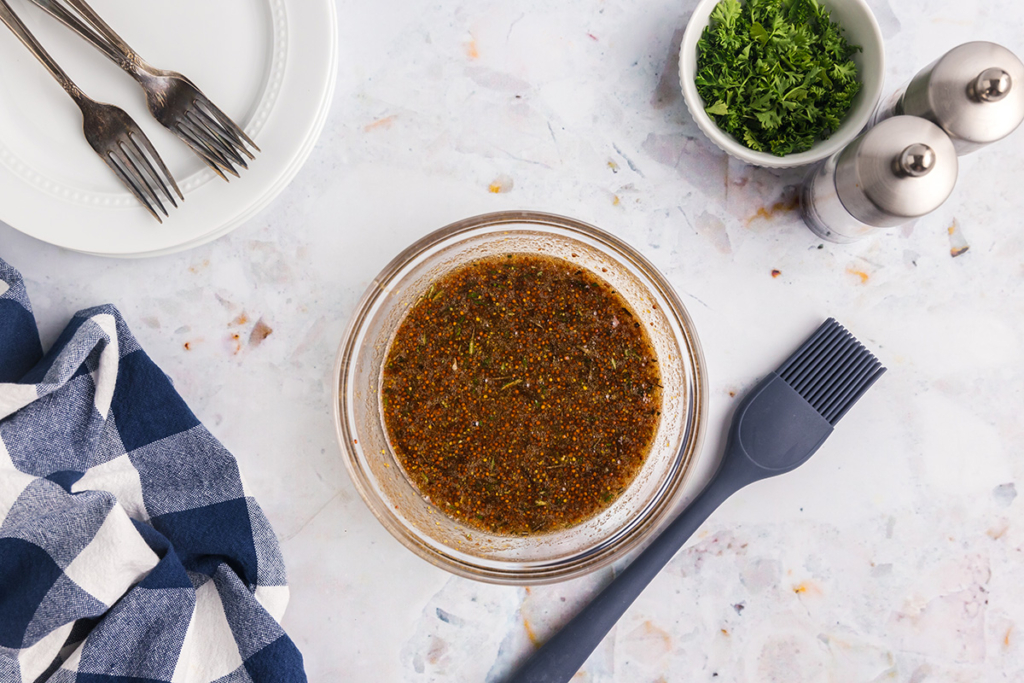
pixel 860 28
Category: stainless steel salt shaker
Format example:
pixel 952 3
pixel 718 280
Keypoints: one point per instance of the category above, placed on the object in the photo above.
pixel 903 168
pixel 974 92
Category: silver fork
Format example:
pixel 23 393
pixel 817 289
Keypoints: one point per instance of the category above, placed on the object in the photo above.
pixel 109 130
pixel 172 98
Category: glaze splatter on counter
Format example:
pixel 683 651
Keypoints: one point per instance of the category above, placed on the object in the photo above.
pixel 521 394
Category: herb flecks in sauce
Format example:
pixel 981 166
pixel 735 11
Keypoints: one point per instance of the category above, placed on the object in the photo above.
pixel 525 398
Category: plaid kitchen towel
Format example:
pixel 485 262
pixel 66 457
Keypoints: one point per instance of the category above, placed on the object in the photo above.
pixel 130 551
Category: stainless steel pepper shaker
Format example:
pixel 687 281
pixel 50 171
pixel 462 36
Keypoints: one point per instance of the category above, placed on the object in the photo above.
pixel 901 169
pixel 974 92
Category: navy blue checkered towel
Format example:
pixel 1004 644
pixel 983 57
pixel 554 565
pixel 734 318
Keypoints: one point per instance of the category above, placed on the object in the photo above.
pixel 130 551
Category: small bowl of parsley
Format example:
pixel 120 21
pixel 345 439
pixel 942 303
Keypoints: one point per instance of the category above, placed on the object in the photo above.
pixel 781 83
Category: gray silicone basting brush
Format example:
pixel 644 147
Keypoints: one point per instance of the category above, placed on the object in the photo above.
pixel 777 427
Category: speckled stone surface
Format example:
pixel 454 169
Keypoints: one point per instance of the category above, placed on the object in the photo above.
pixel 895 554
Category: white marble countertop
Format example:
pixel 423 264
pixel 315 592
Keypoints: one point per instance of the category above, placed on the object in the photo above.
pixel 895 554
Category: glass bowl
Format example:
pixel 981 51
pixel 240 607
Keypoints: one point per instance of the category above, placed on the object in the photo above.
pixel 468 551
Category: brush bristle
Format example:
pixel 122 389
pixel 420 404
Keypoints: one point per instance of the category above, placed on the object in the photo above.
pixel 831 371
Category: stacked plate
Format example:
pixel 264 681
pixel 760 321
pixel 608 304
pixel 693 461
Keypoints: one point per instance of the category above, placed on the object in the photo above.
pixel 269 64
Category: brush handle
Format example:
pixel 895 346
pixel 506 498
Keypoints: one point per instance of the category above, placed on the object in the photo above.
pixel 562 656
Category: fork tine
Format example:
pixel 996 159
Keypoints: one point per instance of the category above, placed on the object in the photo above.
pixel 200 149
pixel 135 153
pixel 226 121
pixel 211 138
pixel 127 180
pixel 218 130
pixel 165 175
pixel 208 151
pixel 130 164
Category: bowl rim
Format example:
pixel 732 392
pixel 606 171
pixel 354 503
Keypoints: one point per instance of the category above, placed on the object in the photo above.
pixel 726 142
pixel 589 561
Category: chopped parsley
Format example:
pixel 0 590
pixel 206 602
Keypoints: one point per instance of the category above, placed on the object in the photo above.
pixel 775 74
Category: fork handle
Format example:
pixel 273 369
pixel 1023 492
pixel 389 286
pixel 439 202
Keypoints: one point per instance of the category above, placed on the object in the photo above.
pixel 57 10
pixel 103 27
pixel 19 29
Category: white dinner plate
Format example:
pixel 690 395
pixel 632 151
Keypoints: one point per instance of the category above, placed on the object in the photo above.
pixel 269 64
